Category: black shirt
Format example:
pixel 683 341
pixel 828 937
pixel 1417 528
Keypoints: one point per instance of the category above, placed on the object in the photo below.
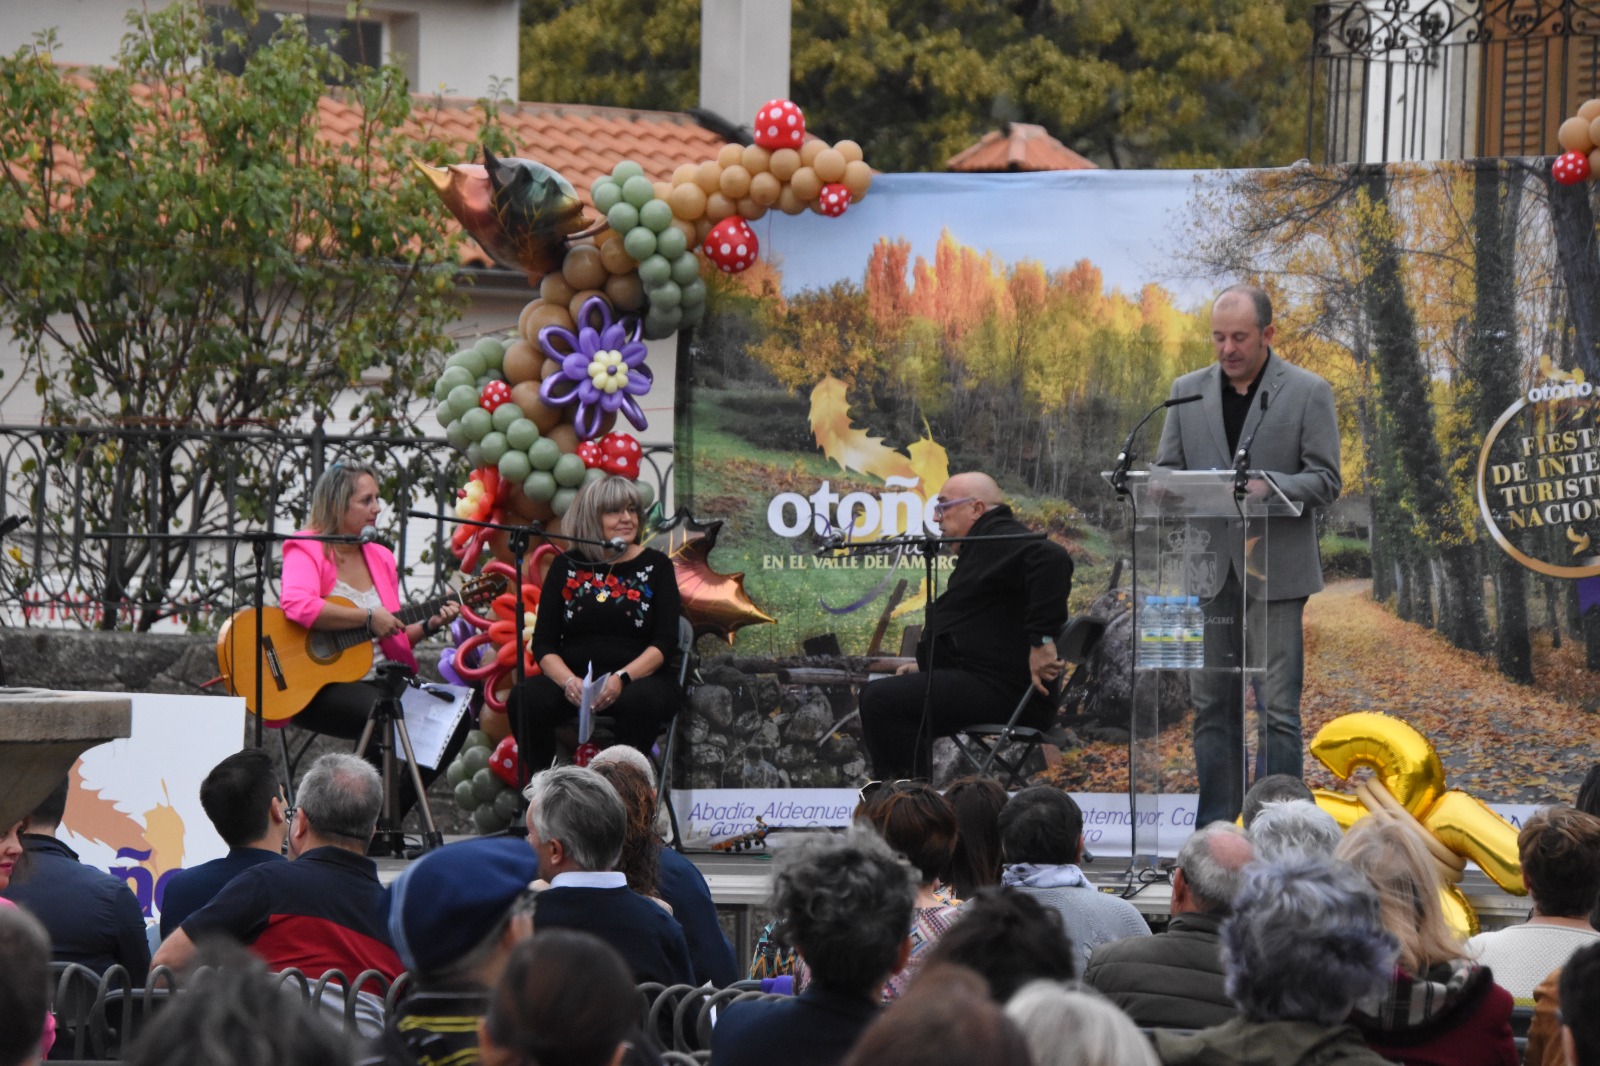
pixel 605 614
pixel 92 917
pixel 1236 404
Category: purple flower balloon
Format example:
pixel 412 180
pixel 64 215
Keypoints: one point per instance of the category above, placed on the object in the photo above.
pixel 447 667
pixel 602 370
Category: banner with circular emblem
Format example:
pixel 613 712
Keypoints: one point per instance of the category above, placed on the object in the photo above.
pixel 1539 478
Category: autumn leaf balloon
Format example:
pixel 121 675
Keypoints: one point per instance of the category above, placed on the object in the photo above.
pixel 520 212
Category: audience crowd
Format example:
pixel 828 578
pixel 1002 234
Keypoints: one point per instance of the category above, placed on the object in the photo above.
pixel 944 927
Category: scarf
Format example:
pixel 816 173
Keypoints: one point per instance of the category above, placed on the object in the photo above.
pixel 1032 875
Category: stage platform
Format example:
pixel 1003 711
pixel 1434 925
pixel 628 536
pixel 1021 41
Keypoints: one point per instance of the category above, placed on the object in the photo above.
pixel 740 884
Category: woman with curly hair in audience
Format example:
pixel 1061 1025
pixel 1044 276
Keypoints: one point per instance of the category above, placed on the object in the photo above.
pixel 1440 1007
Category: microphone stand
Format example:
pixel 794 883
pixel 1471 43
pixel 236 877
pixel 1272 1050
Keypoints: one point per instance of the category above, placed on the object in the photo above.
pixel 929 545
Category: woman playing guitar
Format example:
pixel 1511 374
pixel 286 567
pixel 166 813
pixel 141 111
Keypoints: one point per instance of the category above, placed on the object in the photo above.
pixel 345 502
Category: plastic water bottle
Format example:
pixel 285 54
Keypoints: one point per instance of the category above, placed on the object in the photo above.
pixel 1172 634
pixel 1151 617
pixel 1194 634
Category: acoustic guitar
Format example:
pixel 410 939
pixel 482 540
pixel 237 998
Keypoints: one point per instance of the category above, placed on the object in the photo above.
pixel 299 661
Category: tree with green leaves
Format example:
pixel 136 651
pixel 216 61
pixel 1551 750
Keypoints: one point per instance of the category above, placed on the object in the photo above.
pixel 1167 83
pixel 186 248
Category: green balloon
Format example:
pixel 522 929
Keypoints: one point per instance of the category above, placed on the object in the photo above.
pixel 607 194
pixel 638 190
pixel 462 399
pixel 456 434
pixel 623 216
pixel 601 182
pixel 520 432
pixel 540 486
pixel 466 798
pixel 593 474
pixel 647 494
pixel 475 759
pixel 477 422
pixel 474 455
pixel 661 321
pixel 653 270
pixel 506 804
pixel 505 416
pixel 569 471
pixel 544 454
pixel 455 773
pixel 455 375
pixel 563 500
pixel 445 414
pixel 493 446
pixel 666 295
pixel 486 821
pixel 694 294
pixel 441 389
pixel 685 269
pixel 477 738
pixel 639 242
pixel 656 214
pixel 693 314
pixel 671 243
pixel 486 785
pixel 493 350
pixel 472 361
pixel 625 170
pixel 514 465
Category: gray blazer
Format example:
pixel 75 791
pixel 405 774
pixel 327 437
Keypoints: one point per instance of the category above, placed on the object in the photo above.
pixel 1298 444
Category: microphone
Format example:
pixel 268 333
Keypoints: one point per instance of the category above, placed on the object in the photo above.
pixel 833 542
pixel 617 544
pixel 370 535
pixel 1119 474
pixel 1241 458
pixel 12 523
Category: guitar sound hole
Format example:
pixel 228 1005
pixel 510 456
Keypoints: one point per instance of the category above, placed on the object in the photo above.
pixel 323 647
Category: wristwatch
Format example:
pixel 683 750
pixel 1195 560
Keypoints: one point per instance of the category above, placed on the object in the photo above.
pixel 622 676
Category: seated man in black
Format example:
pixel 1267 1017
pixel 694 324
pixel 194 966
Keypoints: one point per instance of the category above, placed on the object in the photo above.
pixel 576 827
pixel 992 630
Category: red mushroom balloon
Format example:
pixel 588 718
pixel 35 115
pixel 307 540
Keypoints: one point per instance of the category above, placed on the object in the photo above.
pixel 1570 168
pixel 731 245
pixel 780 124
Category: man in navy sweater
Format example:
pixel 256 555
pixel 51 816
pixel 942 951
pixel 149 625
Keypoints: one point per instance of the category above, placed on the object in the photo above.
pixel 242 798
pixel 576 826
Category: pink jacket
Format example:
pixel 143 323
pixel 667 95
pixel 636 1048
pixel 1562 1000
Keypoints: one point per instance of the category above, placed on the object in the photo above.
pixel 309 576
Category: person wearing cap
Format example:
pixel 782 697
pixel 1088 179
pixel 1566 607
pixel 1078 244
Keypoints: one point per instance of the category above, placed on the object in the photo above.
pixel 454 916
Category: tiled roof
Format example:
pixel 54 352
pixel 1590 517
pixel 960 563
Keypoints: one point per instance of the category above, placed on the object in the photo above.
pixel 1018 146
pixel 577 141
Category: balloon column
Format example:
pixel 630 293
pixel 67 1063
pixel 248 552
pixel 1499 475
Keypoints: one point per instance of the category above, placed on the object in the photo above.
pixel 1408 786
pixel 1580 142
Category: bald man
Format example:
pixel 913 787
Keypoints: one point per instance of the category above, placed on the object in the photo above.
pixel 992 632
pixel 1288 414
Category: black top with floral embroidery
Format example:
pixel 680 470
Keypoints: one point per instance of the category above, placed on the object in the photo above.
pixel 605 614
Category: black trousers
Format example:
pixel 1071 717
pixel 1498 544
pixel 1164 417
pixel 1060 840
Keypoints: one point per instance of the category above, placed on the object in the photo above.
pixel 538 708
pixel 341 709
pixel 891 716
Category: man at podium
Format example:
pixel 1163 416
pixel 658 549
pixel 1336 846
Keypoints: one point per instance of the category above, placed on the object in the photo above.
pixel 1285 417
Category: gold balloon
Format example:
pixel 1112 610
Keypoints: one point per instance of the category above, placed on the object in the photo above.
pixel 731 155
pixel 684 174
pixel 783 164
pixel 687 202
pixel 735 183
pixel 1458 913
pixel 810 150
pixel 1574 135
pixel 1346 810
pixel 1468 827
pixel 806 184
pixel 1590 109
pixel 756 158
pixel 1400 756
pixel 709 176
pixel 850 150
pixel 663 189
pixel 829 165
pixel 765 189
pixel 858 179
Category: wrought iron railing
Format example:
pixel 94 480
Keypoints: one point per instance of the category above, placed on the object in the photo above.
pixel 128 528
pixel 1447 79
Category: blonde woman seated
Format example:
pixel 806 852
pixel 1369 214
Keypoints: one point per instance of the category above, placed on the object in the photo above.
pixel 1440 1008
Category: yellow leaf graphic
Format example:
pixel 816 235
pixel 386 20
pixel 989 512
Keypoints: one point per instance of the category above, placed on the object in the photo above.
pixel 858 450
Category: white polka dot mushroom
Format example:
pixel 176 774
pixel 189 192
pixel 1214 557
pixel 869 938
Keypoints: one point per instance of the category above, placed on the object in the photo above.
pixel 779 124
pixel 834 199
pixel 731 245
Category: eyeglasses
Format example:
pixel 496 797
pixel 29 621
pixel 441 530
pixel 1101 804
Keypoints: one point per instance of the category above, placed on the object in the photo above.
pixel 941 506
pixel 872 788
pixel 288 815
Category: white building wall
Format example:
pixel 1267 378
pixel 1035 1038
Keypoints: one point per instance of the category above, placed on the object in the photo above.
pixel 457 47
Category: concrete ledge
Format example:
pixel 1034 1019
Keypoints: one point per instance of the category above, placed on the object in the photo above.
pixel 42 732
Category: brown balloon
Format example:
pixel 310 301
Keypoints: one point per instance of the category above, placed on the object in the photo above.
pixel 497 724
pixel 527 309
pixel 735 184
pixel 522 362
pixel 709 176
pixel 805 183
pixel 718 207
pixel 551 366
pixel 810 150
pixel 765 189
pixel 555 290
pixel 518 502
pixel 662 188
pixel 829 165
pixel 625 292
pixel 756 159
pixel 565 436
pixel 702 227
pixel 730 154
pixel 784 162
pixel 789 203
pixel 749 210
pixel 581 298
pixel 685 226
pixel 688 202
pixel 850 150
pixel 1575 135
pixel 684 174
pixel 858 179
pixel 615 257
pixel 1590 109
pixel 526 396
pixel 548 315
pixel 583 269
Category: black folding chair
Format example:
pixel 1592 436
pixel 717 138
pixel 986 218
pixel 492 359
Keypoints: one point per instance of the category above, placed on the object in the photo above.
pixel 989 747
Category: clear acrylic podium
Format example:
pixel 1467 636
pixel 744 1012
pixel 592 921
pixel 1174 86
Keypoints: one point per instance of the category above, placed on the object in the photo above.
pixel 1190 531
